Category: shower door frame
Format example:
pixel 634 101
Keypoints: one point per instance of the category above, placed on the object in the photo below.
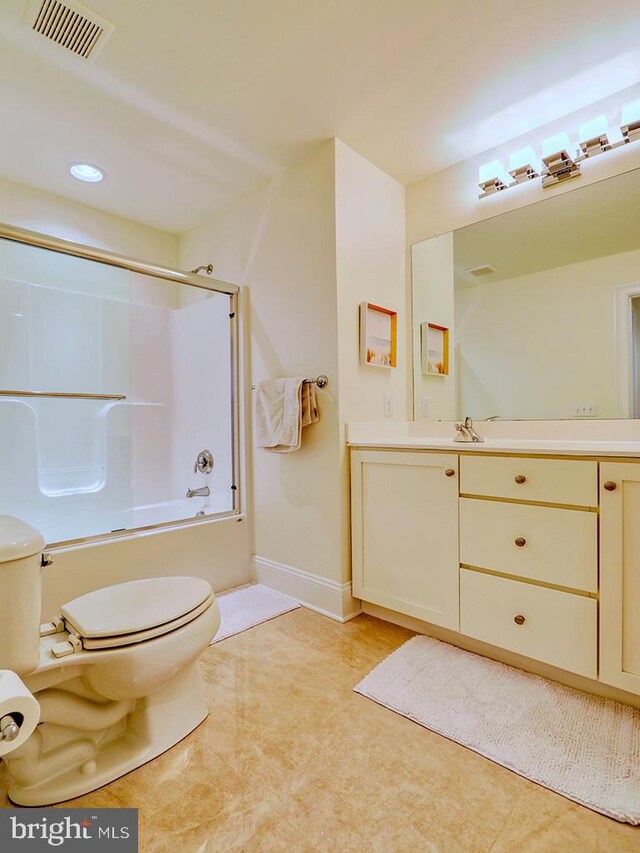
pixel 92 253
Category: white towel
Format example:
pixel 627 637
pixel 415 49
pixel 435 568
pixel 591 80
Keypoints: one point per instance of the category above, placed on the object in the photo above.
pixel 281 408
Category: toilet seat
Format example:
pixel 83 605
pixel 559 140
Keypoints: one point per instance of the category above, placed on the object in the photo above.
pixel 132 612
pixel 139 636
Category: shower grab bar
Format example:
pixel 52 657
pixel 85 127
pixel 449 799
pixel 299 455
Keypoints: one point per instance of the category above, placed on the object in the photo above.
pixel 65 395
pixel 321 381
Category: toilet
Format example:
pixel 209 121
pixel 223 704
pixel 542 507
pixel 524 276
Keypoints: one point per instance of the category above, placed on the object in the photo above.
pixel 115 673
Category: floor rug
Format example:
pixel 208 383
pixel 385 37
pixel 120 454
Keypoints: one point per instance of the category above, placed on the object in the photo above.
pixel 581 746
pixel 247 606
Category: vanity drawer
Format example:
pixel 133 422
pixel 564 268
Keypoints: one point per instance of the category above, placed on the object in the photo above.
pixel 559 628
pixel 558 546
pixel 558 481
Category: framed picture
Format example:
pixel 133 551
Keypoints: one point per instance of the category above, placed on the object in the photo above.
pixel 434 341
pixel 378 335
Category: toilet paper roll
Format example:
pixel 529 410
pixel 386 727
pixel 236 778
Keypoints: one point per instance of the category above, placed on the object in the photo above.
pixel 17 701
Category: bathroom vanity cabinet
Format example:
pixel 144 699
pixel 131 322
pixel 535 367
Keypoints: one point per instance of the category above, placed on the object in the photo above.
pixel 620 575
pixel 405 533
pixel 536 555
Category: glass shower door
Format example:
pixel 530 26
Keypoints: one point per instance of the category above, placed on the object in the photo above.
pixel 113 384
pixel 66 431
pixel 182 402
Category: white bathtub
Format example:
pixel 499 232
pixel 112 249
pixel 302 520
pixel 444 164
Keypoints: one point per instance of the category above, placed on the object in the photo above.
pixel 162 513
pixel 58 523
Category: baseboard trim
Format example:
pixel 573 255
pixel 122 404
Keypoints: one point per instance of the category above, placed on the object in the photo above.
pixel 331 598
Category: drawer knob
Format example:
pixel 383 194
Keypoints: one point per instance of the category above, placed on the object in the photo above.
pixel 520 479
pixel 519 619
pixel 610 486
pixel 449 472
pixel 521 542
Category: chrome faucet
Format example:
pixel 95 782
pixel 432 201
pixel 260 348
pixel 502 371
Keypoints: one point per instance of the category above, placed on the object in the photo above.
pixel 204 492
pixel 467 433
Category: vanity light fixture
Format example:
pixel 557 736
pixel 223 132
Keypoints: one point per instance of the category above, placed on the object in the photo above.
pixel 524 165
pixel 493 177
pixel 87 172
pixel 594 137
pixel 630 122
pixel 558 163
pixel 555 156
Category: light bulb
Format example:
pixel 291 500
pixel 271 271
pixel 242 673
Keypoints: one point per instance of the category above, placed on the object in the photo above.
pixel 86 172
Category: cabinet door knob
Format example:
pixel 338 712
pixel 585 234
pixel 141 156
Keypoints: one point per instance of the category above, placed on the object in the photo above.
pixel 519 619
pixel 449 472
pixel 521 542
pixel 610 486
pixel 520 479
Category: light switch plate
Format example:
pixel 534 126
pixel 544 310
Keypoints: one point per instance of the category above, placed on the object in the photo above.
pixel 424 407
pixel 387 405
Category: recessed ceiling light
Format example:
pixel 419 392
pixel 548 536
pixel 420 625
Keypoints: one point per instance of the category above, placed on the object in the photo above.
pixel 86 172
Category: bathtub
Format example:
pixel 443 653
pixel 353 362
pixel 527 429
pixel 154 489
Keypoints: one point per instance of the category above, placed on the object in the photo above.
pixel 59 525
pixel 163 513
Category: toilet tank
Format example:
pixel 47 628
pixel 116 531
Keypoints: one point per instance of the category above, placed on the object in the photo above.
pixel 20 594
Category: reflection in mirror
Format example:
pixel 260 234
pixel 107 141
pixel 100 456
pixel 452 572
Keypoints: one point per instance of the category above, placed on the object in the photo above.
pixel 542 306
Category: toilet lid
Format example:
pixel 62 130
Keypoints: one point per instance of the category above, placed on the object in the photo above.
pixel 135 606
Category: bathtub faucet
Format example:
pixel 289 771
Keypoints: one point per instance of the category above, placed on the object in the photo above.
pixel 204 492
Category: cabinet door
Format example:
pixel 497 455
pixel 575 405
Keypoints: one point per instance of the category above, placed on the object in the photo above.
pixel 620 574
pixel 405 532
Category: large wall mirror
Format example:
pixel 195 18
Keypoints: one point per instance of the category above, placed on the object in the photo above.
pixel 534 314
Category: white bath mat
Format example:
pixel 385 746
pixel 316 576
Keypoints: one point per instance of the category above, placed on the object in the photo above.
pixel 248 606
pixel 581 746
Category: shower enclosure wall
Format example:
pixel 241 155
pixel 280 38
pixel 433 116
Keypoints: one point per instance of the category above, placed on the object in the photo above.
pixel 112 382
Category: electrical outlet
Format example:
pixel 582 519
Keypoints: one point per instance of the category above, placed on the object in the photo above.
pixel 585 410
pixel 387 405
pixel 424 407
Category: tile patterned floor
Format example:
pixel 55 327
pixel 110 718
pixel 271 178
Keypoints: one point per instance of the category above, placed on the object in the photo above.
pixel 291 759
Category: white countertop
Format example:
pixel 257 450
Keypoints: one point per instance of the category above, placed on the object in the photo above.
pixel 563 447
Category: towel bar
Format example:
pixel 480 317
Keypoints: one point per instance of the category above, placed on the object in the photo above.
pixel 321 381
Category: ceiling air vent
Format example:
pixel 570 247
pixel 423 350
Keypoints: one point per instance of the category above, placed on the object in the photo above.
pixel 480 271
pixel 70 25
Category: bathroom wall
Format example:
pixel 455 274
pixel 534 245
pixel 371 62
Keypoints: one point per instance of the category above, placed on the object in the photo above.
pixel 370 231
pixel 324 236
pixel 52 214
pixel 370 264
pixel 219 551
pixel 280 242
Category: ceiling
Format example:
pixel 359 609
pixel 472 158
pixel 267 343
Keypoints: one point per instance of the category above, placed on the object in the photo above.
pixel 592 222
pixel 191 104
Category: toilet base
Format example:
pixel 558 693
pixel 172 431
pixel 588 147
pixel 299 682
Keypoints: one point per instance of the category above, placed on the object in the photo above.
pixel 156 723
